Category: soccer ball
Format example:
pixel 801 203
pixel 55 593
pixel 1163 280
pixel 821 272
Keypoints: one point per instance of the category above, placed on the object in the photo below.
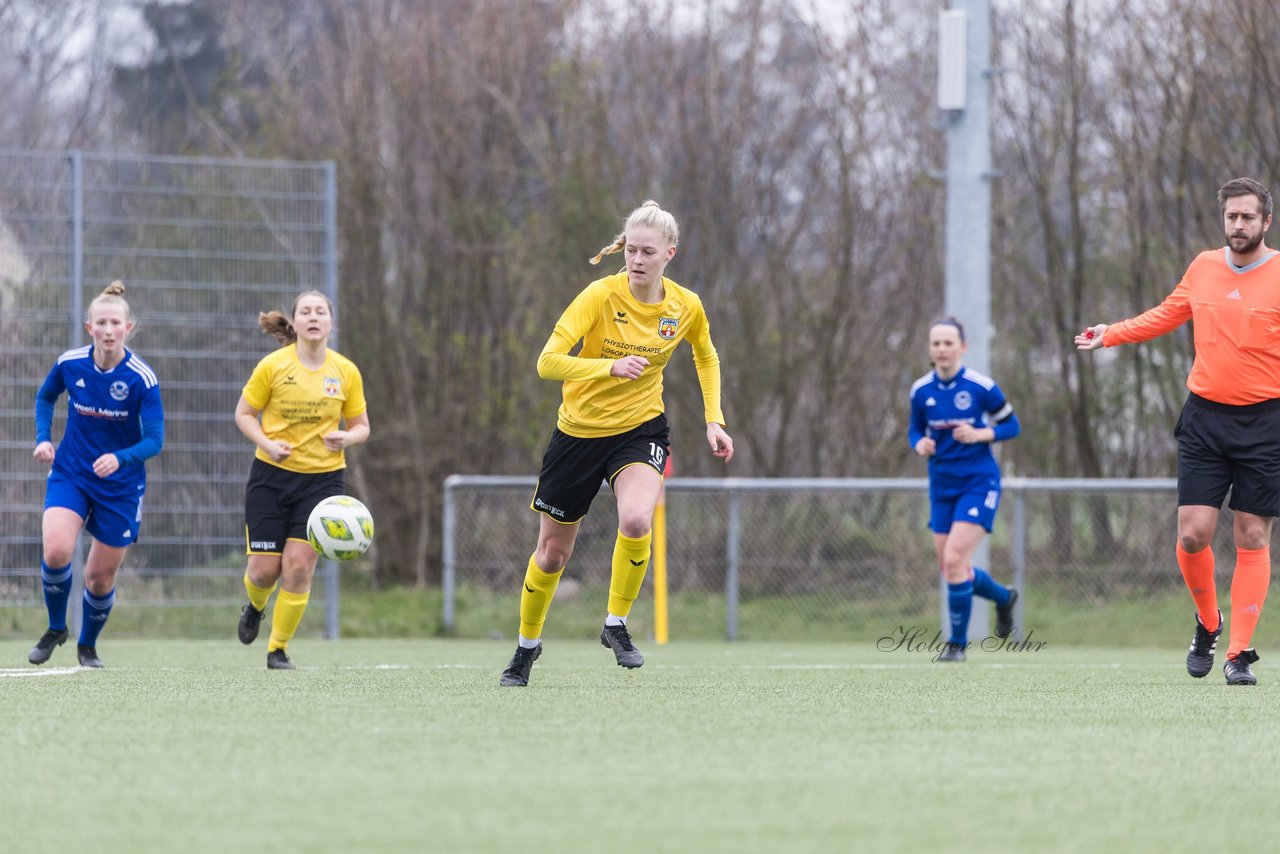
pixel 340 528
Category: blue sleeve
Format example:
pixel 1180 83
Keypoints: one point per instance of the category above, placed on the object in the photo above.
pixel 46 397
pixel 1004 420
pixel 918 426
pixel 152 415
pixel 146 448
pixel 1007 428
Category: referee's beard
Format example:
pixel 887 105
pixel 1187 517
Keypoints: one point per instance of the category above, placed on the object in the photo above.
pixel 1247 249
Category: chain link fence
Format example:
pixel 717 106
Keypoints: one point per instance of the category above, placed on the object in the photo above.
pixel 202 245
pixel 838 559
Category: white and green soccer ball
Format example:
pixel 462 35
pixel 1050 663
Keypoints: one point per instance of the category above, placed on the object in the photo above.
pixel 340 528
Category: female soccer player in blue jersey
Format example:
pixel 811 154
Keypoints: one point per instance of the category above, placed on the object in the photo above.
pixel 956 414
pixel 115 422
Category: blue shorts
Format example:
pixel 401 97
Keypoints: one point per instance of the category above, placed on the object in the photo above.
pixel 113 520
pixel 976 503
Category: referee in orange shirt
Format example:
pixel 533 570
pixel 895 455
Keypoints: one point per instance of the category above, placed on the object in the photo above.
pixel 1229 430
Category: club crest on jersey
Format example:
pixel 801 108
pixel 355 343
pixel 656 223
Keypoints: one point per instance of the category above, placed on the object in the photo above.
pixel 331 386
pixel 667 328
pixel 119 390
pixel 963 400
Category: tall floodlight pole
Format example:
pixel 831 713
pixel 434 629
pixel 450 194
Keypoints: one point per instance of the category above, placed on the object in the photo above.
pixel 964 60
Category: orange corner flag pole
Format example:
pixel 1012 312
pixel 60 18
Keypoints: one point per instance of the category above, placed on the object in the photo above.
pixel 660 626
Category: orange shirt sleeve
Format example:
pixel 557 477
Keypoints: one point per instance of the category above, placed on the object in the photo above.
pixel 1166 317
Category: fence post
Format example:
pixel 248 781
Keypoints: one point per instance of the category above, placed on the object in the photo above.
pixel 76 161
pixel 329 570
pixel 332 586
pixel 1018 556
pixel 732 550
pixel 449 555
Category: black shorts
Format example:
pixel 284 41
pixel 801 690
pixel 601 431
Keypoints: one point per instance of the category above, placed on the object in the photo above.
pixel 277 503
pixel 1236 448
pixel 573 468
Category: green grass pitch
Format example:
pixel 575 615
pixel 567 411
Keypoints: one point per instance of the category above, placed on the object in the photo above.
pixel 410 745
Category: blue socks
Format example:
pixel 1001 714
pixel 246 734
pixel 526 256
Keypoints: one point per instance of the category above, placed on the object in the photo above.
pixel 56 582
pixel 960 603
pixel 988 588
pixel 96 610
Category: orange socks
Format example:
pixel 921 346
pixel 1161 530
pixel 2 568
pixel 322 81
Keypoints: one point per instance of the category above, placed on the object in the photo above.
pixel 1197 571
pixel 1248 592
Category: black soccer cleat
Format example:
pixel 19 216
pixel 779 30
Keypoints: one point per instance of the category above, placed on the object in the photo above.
pixel 88 656
pixel 44 647
pixel 517 673
pixel 1004 615
pixel 277 660
pixel 953 652
pixel 1203 646
pixel 250 621
pixel 1237 669
pixel 618 639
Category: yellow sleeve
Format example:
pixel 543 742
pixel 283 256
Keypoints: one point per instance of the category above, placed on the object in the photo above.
pixel 355 403
pixel 707 363
pixel 555 363
pixel 257 391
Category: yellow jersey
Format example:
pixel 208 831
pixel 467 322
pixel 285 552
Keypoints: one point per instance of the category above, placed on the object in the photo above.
pixel 300 406
pixel 612 324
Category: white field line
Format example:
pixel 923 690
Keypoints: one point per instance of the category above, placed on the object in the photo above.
pixel 26 671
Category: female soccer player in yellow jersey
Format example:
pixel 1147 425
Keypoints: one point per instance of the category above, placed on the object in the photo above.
pixel 291 408
pixel 611 424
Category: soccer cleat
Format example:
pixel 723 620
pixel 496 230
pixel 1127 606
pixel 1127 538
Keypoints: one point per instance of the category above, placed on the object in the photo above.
pixel 277 660
pixel 44 647
pixel 1004 615
pixel 1203 646
pixel 517 673
pixel 88 656
pixel 1237 669
pixel 250 620
pixel 953 652
pixel 618 639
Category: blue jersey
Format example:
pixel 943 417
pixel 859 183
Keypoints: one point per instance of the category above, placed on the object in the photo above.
pixel 108 412
pixel 937 406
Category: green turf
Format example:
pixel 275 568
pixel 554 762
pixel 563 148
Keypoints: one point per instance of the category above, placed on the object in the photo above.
pixel 410 745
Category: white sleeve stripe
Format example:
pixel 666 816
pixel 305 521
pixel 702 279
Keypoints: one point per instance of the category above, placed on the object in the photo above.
pixel 77 353
pixel 1005 412
pixel 981 379
pixel 143 370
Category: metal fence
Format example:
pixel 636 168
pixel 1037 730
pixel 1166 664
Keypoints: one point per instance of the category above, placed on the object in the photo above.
pixel 202 245
pixel 830 558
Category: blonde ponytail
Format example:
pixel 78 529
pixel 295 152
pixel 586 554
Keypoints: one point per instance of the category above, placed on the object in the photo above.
pixel 648 215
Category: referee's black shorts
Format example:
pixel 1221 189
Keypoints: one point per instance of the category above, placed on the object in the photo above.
pixel 277 503
pixel 1225 448
pixel 573 468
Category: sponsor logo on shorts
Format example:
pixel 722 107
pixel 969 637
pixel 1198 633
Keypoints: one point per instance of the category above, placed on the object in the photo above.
pixel 547 508
pixel 263 545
